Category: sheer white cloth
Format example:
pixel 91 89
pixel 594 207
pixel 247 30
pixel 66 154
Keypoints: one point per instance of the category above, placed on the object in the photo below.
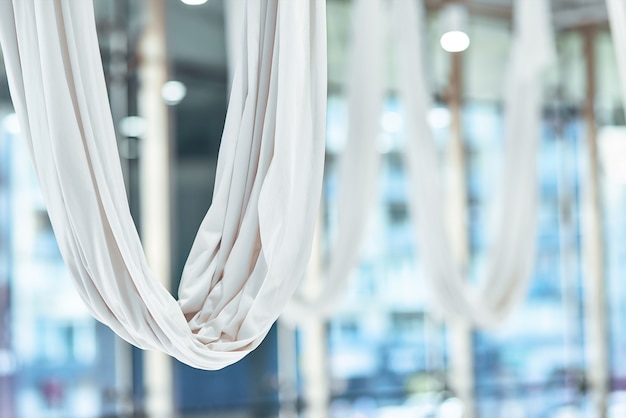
pixel 511 254
pixel 513 243
pixel 359 165
pixel 234 13
pixel 254 243
pixel 617 21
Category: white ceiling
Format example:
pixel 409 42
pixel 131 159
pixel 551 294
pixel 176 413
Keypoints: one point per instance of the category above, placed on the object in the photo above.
pixel 196 34
pixel 567 13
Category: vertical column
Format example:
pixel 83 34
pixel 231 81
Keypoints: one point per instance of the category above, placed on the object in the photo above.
pixel 314 347
pixel 460 349
pixel 118 97
pixel 597 362
pixel 234 18
pixel 287 371
pixel 154 170
pixel 7 358
pixel 568 260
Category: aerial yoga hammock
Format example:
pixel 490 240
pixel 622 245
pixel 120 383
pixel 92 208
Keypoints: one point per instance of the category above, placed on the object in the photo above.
pixel 511 254
pixel 253 245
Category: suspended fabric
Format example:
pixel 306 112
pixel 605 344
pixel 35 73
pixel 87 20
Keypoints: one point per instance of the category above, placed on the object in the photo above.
pixel 511 253
pixel 254 243
pixel 511 260
pixel 234 18
pixel 358 166
pixel 617 21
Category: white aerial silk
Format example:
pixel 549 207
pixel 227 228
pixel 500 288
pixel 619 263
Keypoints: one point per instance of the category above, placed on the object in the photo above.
pixel 234 13
pixel 358 166
pixel 511 254
pixel 253 245
pixel 617 21
pixel 513 244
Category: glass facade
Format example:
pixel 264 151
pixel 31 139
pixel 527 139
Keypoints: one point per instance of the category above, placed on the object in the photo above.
pixel 387 356
pixel 60 361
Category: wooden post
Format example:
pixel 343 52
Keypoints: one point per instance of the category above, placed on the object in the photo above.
pixel 8 363
pixel 314 352
pixel 118 97
pixel 460 347
pixel 154 170
pixel 287 371
pixel 597 351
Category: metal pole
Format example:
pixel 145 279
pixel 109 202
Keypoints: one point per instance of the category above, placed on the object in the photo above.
pixel 597 350
pixel 287 371
pixel 118 96
pixel 460 347
pixel 567 261
pixel 314 351
pixel 154 170
pixel 8 368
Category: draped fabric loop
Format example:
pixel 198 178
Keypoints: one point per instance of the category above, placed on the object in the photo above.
pixel 617 21
pixel 253 245
pixel 510 258
pixel 358 167
pixel 511 252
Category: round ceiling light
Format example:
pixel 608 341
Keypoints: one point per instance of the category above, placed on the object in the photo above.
pixel 455 41
pixel 11 124
pixel 132 126
pixel 173 92
pixel 453 20
pixel 194 2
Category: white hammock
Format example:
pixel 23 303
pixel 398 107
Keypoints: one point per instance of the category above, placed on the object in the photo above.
pixel 617 20
pixel 513 244
pixel 254 243
pixel 359 164
pixel 510 257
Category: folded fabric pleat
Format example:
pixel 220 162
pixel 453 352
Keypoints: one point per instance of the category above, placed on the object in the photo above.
pixel 513 225
pixel 253 245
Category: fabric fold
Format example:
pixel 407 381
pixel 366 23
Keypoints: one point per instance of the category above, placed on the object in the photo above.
pixel 617 22
pixel 253 245
pixel 358 166
pixel 511 253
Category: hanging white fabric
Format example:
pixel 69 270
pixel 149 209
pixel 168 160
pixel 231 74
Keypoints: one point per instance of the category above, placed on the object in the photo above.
pixel 510 257
pixel 254 243
pixel 234 13
pixel 511 262
pixel 358 167
pixel 617 21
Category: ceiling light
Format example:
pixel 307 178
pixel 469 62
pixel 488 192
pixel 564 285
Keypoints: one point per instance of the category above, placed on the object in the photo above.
pixel 453 18
pixel 455 41
pixel 194 2
pixel 11 124
pixel 439 117
pixel 173 92
pixel 392 122
pixel 132 126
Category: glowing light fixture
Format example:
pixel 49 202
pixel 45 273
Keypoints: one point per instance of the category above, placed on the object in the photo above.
pixel 439 117
pixel 454 19
pixel 194 2
pixel 392 122
pixel 173 92
pixel 11 124
pixel 132 126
